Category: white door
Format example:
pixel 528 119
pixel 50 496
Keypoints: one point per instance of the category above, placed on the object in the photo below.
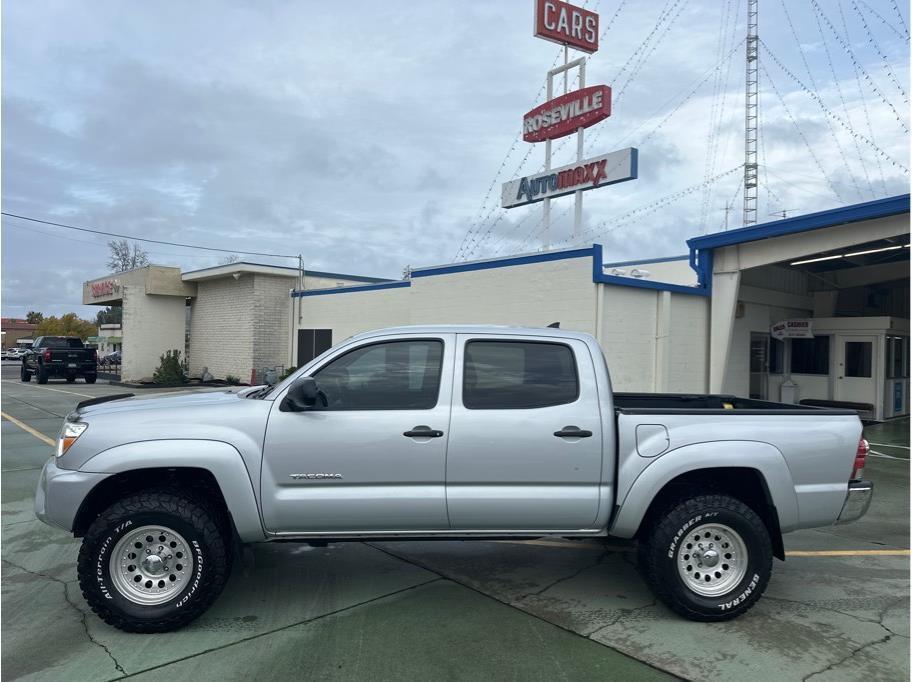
pixel 856 362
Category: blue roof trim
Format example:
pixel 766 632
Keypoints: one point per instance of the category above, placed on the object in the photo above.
pixel 599 276
pixel 879 208
pixel 502 262
pixel 349 290
pixel 645 261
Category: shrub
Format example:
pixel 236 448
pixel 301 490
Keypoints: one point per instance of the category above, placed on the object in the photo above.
pixel 288 372
pixel 232 380
pixel 170 370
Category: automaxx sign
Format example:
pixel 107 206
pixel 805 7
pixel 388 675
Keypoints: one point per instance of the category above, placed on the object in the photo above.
pixel 582 175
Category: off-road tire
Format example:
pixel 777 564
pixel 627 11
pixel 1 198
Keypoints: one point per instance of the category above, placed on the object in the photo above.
pixel 669 528
pixel 42 375
pixel 180 511
pixel 90 378
pixel 24 374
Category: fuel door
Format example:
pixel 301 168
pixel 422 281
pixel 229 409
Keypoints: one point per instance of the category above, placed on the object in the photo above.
pixel 651 439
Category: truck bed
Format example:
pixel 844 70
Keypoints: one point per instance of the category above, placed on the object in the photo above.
pixel 683 403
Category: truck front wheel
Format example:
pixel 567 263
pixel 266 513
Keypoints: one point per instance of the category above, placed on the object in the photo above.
pixel 708 558
pixel 153 562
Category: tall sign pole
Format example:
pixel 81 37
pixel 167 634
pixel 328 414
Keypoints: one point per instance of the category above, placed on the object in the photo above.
pixel 571 112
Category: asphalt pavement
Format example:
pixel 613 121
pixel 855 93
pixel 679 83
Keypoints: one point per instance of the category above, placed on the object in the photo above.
pixel 837 609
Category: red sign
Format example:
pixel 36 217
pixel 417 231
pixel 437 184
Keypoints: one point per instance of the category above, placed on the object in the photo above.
pixel 567 113
pixel 105 288
pixel 563 23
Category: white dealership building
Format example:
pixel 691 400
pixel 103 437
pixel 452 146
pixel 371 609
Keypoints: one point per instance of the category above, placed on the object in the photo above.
pixel 814 307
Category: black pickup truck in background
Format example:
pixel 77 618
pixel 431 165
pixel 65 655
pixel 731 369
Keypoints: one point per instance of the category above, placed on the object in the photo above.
pixel 59 356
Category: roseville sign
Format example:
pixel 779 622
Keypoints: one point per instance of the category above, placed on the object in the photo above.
pixel 602 170
pixel 568 113
pixel 107 287
pixel 563 23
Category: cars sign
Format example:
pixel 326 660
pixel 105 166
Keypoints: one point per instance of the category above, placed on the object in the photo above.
pixel 563 23
pixel 566 114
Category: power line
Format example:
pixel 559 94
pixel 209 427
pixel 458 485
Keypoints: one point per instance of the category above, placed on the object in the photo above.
pixel 880 53
pixel 815 88
pixel 826 110
pixel 886 23
pixel 848 50
pixel 864 101
pixel 800 132
pixel 143 239
pixel 845 106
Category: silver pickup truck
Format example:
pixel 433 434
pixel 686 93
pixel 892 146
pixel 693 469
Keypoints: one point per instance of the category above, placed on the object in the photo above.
pixel 440 433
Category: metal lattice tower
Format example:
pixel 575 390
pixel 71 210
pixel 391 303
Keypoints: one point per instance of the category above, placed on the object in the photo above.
pixel 751 112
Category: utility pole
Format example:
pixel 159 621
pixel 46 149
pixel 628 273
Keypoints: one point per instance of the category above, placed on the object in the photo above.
pixel 751 110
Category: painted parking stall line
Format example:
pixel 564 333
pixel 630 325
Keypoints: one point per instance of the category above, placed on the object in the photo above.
pixel 45 388
pixel 28 429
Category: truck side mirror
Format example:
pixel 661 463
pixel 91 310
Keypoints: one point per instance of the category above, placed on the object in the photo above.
pixel 302 395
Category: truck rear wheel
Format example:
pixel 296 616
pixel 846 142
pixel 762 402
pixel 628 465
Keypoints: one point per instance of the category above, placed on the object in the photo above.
pixel 24 374
pixel 42 377
pixel 153 562
pixel 90 378
pixel 709 557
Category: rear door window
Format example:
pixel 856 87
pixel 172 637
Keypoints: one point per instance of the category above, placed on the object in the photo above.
pixel 515 375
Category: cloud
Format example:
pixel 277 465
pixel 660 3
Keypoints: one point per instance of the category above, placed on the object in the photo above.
pixel 366 136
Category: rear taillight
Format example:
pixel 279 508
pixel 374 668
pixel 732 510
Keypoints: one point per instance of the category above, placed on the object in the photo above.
pixel 860 456
pixel 47 356
pixel 94 353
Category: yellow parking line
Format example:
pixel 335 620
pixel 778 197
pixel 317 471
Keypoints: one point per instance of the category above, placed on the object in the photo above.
pixel 45 388
pixel 28 429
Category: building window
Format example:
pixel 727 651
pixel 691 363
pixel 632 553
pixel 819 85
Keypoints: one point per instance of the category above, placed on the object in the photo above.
pixel 776 356
pixel 398 375
pixel 811 356
pixel 897 357
pixel 505 375
pixel 312 342
pixel 858 358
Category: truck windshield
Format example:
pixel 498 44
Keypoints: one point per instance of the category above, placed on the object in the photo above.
pixel 61 342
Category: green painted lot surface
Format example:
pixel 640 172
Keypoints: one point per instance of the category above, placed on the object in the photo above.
pixel 455 610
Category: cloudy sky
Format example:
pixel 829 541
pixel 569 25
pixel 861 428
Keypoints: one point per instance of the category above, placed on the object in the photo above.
pixel 370 136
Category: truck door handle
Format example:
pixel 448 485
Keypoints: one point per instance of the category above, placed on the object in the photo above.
pixel 573 432
pixel 423 432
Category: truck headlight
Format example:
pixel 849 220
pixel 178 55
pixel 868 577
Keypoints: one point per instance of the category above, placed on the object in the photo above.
pixel 68 435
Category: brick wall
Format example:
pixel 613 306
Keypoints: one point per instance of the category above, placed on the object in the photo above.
pixel 222 327
pixel 272 321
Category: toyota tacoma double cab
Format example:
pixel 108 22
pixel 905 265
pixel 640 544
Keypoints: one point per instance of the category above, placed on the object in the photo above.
pixel 59 356
pixel 442 432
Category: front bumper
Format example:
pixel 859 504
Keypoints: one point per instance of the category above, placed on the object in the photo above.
pixel 61 492
pixel 858 499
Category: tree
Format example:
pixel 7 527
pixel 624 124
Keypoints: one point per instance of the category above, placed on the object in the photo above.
pixel 33 317
pixel 66 325
pixel 110 315
pixel 229 259
pixel 124 256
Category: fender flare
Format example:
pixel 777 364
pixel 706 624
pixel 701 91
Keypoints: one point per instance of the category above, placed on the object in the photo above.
pixel 756 455
pixel 220 459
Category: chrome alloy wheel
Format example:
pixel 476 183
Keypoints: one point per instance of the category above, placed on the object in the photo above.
pixel 151 565
pixel 712 559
